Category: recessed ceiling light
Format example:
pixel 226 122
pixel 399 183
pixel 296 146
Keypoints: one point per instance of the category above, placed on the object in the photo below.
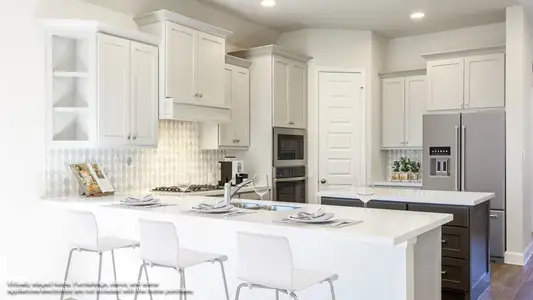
pixel 417 15
pixel 268 3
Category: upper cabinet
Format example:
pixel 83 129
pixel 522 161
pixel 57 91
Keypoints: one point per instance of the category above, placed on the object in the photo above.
pixel 102 85
pixel 287 73
pixel 466 79
pixel 403 105
pixel 236 133
pixel 192 60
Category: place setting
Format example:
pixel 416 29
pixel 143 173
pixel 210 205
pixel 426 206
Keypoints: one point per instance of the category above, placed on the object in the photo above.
pixel 142 201
pixel 320 218
pixel 220 208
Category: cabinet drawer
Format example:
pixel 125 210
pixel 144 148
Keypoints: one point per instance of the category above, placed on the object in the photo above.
pixel 455 242
pixel 342 202
pixel 387 205
pixel 454 295
pixel 460 214
pixel 455 274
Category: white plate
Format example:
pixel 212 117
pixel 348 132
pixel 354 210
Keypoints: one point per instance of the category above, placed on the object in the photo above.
pixel 220 210
pixel 141 203
pixel 327 217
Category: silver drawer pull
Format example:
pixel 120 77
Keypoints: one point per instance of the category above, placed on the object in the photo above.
pixel 444 241
pixel 443 272
pixel 494 216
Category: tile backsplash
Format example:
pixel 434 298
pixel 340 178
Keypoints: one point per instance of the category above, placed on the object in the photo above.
pixel 393 155
pixel 135 169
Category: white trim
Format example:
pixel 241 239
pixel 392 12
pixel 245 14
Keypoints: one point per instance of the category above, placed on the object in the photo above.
pixel 465 52
pixel 402 73
pixel 237 61
pixel 271 50
pixel 167 15
pixel 517 258
pixel 313 187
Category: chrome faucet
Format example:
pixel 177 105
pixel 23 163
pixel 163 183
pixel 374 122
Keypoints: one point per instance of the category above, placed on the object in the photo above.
pixel 229 192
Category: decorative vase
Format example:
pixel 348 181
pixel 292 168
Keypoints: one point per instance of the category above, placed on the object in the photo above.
pixel 395 176
pixel 404 176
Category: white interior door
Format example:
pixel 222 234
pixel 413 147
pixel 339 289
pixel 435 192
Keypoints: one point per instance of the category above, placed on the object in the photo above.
pixel 340 129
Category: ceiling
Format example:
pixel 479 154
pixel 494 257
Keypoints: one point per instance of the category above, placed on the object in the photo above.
pixel 387 17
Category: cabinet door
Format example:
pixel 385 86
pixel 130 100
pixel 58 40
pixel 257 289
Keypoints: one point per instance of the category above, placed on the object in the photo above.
pixel 445 79
pixel 180 67
pixel 415 107
pixel 485 81
pixel 281 92
pixel 297 102
pixel 241 106
pixel 144 94
pixel 113 91
pixel 393 93
pixel 226 130
pixel 210 62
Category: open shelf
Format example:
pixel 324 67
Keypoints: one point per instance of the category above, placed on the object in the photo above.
pixel 70 92
pixel 67 109
pixel 71 74
pixel 68 126
pixel 69 55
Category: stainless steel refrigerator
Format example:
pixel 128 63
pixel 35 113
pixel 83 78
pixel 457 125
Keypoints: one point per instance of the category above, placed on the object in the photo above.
pixel 466 152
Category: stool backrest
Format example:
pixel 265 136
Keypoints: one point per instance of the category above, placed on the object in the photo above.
pixel 265 260
pixel 83 230
pixel 159 242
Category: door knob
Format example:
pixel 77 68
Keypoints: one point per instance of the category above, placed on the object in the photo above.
pixel 323 181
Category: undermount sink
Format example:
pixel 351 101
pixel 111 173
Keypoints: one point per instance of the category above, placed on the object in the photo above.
pixel 257 206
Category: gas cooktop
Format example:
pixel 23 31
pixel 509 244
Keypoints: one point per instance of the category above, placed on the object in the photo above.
pixel 192 188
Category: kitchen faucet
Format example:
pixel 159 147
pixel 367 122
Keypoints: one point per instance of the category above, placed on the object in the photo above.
pixel 229 192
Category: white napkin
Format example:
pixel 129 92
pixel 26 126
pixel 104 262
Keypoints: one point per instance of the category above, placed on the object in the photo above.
pixel 205 206
pixel 310 216
pixel 145 198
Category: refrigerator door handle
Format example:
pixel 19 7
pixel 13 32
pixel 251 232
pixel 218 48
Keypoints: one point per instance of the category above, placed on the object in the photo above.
pixel 456 179
pixel 463 146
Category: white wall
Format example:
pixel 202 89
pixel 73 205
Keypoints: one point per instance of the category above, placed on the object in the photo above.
pixel 246 33
pixel 404 53
pixel 518 106
pixel 331 49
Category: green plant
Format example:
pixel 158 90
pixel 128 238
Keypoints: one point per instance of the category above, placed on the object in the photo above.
pixel 404 162
pixel 396 166
pixel 414 166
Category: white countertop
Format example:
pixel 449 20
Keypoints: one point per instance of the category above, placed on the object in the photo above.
pixel 408 184
pixel 379 226
pixel 415 196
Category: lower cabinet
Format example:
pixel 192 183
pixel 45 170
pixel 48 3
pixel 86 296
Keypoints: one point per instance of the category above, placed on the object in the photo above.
pixel 465 244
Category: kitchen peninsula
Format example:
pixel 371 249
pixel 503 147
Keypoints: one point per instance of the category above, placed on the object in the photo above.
pixel 394 255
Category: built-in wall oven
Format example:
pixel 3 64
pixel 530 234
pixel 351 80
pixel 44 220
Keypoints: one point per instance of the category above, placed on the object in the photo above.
pixel 290 147
pixel 290 184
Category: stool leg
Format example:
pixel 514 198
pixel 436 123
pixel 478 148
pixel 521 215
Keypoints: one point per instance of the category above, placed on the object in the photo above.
pixel 224 278
pixel 66 273
pixel 239 290
pixel 183 284
pixel 99 275
pixel 293 296
pixel 148 281
pixel 277 295
pixel 331 289
pixel 114 272
pixel 138 281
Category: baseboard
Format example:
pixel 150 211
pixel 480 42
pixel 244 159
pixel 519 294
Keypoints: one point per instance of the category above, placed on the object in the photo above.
pixel 517 258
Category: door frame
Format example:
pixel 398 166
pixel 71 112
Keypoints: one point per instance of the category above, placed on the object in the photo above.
pixel 313 133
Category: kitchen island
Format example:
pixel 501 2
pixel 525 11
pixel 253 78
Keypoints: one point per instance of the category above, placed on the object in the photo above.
pixel 393 255
pixel 465 241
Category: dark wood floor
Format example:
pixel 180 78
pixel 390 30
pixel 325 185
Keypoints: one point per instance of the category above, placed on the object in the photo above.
pixel 510 283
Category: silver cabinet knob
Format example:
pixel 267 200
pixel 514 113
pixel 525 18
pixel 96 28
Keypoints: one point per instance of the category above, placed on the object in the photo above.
pixel 134 138
pixel 461 104
pixel 406 142
pixel 196 95
pixel 200 95
pixel 291 123
pixel 323 181
pixel 129 137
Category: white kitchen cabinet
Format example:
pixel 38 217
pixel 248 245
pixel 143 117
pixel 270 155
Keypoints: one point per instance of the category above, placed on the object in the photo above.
pixel 403 105
pixel 466 79
pixel 127 93
pixel 102 85
pixel 236 133
pixel 192 67
pixel 290 93
pixel 485 81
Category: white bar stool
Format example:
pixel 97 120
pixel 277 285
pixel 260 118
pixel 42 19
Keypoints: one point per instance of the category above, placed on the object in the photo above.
pixel 83 235
pixel 160 248
pixel 266 262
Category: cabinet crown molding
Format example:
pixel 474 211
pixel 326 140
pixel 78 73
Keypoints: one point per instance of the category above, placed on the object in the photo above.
pixel 167 15
pixel 272 50
pixel 239 62
pixel 464 52
pixel 405 73
pixel 76 28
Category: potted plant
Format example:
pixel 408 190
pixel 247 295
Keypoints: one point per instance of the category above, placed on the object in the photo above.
pixel 404 168
pixel 414 170
pixel 396 170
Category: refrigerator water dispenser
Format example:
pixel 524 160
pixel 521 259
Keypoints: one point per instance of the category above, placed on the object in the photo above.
pixel 439 161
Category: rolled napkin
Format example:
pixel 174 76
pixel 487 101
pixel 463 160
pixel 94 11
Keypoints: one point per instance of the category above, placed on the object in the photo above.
pixel 205 206
pixel 145 198
pixel 311 216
